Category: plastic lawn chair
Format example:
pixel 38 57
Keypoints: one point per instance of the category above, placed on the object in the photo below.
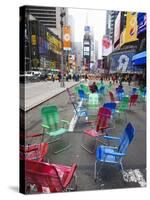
pixel 85 88
pixel 80 111
pixel 134 91
pixel 82 95
pixel 114 155
pixel 71 95
pixel 111 106
pixel 112 98
pixel 55 128
pixel 109 87
pixel 93 134
pixel 50 177
pixel 123 107
pixel 93 101
pixel 34 151
pixel 133 100
pixel 120 94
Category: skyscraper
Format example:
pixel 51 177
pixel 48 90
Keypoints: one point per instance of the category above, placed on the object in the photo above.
pixel 110 21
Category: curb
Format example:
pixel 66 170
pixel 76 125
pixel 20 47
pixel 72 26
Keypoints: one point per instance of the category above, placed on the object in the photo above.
pixel 32 107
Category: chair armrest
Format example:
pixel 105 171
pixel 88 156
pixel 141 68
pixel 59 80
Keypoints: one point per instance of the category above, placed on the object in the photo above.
pixel 34 135
pixel 111 138
pixel 64 122
pixel 26 149
pixel 70 175
pixel 45 126
pixel 115 154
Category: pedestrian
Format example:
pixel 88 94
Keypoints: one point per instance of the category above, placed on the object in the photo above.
pixel 59 76
pixel 129 80
pixel 93 87
pixel 52 78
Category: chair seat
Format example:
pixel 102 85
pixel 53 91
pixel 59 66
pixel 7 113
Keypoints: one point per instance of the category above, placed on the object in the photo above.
pixel 58 132
pixel 101 156
pixel 62 170
pixel 91 132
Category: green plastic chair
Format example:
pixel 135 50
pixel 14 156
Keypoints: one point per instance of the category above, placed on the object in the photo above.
pixel 55 128
pixel 93 106
pixel 109 87
pixel 122 107
pixel 85 88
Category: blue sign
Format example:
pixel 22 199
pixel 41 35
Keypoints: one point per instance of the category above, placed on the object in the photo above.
pixel 141 20
pixel 42 46
pixel 121 62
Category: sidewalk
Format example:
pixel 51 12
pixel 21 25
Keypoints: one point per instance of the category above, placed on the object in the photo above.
pixel 33 94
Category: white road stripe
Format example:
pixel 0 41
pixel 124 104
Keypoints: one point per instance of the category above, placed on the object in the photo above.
pixel 134 176
pixel 74 119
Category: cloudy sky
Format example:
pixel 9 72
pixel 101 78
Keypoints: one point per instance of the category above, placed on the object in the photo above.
pixel 95 18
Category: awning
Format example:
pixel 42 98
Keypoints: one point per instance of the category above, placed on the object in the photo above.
pixel 139 58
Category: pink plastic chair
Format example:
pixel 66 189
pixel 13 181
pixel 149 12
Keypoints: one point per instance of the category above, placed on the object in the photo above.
pixel 102 123
pixel 112 98
pixel 56 178
pixel 133 100
pixel 34 152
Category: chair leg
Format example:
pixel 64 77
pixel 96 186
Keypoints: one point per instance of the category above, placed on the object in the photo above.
pixel 60 149
pixel 95 170
pixel 83 145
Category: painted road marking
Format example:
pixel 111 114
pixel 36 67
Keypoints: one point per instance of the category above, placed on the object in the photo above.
pixel 74 119
pixel 134 176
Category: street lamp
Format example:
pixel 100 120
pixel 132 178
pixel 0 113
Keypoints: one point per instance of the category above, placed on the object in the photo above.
pixel 62 14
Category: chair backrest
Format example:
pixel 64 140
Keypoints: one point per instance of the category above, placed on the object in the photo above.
pixel 93 99
pixel 127 137
pixel 103 118
pixel 134 91
pixel 34 152
pixel 50 117
pixel 43 175
pixel 111 106
pixel 120 93
pixel 101 90
pixel 124 103
pixel 133 99
pixel 81 94
pixel 111 95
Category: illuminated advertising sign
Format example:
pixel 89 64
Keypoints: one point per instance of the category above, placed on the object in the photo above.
pixel 129 34
pixel 33 40
pixel 66 38
pixel 121 62
pixel 141 20
pixel 106 46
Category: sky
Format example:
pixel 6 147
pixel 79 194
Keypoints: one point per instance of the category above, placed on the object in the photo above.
pixel 95 18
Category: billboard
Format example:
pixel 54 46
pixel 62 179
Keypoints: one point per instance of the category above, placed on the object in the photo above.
pixel 141 20
pixel 121 62
pixel 66 37
pixel 129 34
pixel 117 28
pixel 106 46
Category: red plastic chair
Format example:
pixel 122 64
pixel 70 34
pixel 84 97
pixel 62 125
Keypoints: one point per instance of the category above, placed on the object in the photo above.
pixel 133 100
pixel 102 123
pixel 112 98
pixel 34 152
pixel 56 178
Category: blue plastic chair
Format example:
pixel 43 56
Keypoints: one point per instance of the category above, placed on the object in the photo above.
pixel 82 95
pixel 120 94
pixel 111 106
pixel 134 91
pixel 101 90
pixel 79 110
pixel 114 155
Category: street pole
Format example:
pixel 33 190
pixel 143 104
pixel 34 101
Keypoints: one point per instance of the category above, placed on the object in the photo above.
pixel 62 84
